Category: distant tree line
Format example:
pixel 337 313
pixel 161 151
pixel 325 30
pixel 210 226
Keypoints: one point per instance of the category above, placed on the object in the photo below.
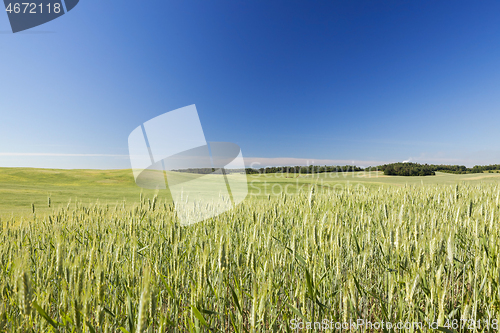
pixel 482 168
pixel 311 169
pixel 202 171
pixel 479 169
pixel 450 168
pixel 415 169
pixel 396 169
pixel 206 171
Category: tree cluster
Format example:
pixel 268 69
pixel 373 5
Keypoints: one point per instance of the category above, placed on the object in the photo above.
pixel 407 169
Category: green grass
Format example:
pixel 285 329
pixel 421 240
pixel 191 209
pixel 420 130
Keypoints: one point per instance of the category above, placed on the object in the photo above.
pixel 21 187
pixel 399 253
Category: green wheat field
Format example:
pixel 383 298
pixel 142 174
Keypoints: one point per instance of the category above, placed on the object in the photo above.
pixel 103 255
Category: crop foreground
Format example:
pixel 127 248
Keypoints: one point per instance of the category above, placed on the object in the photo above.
pixel 411 254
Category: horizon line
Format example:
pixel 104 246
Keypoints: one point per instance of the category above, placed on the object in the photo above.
pixel 250 162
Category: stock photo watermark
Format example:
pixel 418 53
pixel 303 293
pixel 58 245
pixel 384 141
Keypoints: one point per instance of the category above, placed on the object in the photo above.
pixel 359 324
pixel 24 15
pixel 170 151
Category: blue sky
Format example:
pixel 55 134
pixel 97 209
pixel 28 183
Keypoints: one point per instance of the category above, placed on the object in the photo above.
pixel 291 82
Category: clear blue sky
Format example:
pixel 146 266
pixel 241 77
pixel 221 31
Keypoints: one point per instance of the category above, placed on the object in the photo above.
pixel 329 81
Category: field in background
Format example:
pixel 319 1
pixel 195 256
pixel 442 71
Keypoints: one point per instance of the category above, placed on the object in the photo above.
pixel 21 187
